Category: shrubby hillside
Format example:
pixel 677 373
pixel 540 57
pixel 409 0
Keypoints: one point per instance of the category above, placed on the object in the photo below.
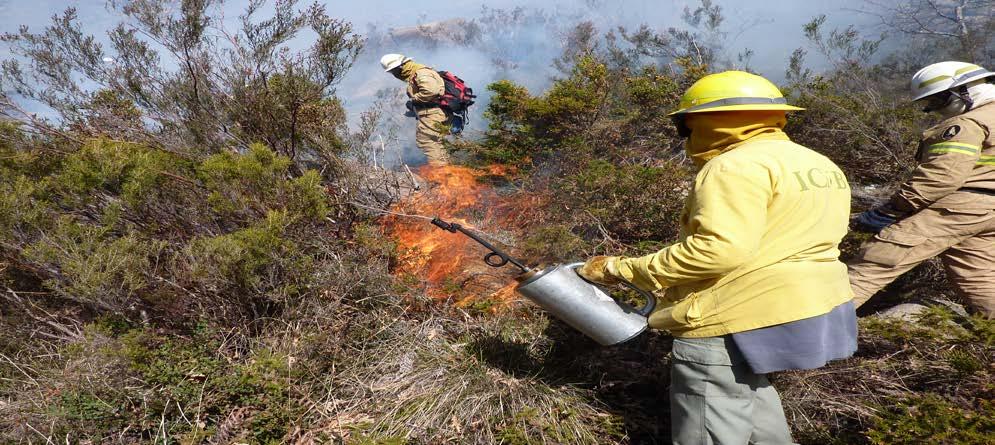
pixel 192 251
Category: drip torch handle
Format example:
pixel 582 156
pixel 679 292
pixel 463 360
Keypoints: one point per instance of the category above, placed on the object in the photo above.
pixel 650 299
pixel 495 258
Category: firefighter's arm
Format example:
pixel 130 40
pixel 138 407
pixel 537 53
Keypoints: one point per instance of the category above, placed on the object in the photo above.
pixel 726 222
pixel 947 161
pixel 428 86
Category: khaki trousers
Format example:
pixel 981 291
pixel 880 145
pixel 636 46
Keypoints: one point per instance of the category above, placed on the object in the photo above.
pixel 433 126
pixel 715 399
pixel 963 238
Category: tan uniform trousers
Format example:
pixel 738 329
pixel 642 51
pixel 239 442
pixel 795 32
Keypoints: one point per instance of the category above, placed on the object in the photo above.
pixel 963 238
pixel 433 126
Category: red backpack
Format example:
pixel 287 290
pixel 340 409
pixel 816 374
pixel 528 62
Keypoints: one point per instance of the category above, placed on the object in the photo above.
pixel 457 97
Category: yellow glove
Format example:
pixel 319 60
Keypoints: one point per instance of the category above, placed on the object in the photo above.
pixel 601 270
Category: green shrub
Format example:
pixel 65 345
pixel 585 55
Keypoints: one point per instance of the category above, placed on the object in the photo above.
pixel 121 227
pixel 250 259
pixel 94 267
pixel 524 128
pixel 633 203
pixel 194 373
pixel 934 420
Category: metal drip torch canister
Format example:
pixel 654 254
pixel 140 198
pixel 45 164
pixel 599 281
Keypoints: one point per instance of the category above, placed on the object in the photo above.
pixel 567 296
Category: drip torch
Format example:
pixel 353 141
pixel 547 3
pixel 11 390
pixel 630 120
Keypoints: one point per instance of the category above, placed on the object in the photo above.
pixel 569 297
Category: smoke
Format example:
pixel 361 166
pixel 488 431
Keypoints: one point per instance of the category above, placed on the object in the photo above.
pixel 520 41
pixel 486 40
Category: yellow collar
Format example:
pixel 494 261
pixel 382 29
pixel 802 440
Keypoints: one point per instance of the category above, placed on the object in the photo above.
pixel 714 133
pixel 408 70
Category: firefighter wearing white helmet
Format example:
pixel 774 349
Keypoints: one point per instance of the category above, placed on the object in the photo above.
pixel 947 207
pixel 754 285
pixel 425 88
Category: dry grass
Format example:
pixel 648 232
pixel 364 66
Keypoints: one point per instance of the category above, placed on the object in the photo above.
pixel 387 370
pixel 429 381
pixel 941 354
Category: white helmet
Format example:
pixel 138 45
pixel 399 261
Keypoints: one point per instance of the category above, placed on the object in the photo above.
pixel 977 73
pixel 938 77
pixel 391 61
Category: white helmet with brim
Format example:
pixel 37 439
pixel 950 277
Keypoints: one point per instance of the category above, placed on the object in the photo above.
pixel 391 61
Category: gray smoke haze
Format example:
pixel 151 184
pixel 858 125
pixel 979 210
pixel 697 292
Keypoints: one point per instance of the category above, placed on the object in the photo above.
pixel 484 41
pixel 519 41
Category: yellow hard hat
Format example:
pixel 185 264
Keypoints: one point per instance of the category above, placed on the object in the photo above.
pixel 732 91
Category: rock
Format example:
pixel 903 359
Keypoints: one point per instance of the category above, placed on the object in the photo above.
pixel 904 311
pixel 870 195
pixel 954 307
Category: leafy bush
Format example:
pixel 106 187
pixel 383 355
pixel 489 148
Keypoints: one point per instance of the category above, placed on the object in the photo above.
pixel 857 113
pixel 633 203
pixel 125 228
pixel 599 151
pixel 930 419
pixel 522 127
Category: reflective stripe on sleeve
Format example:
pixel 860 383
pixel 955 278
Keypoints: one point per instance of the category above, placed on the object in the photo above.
pixel 954 147
pixel 986 160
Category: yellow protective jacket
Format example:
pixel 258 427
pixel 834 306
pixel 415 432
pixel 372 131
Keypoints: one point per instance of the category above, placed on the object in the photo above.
pixel 760 232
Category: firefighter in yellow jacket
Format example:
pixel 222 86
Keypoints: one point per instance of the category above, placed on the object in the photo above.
pixel 425 88
pixel 754 284
pixel 947 207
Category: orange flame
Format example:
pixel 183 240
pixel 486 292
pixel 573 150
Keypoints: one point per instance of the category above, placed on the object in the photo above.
pixel 451 263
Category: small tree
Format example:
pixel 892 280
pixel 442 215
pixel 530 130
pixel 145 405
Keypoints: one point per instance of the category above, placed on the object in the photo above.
pixel 174 77
pixel 857 112
pixel 968 24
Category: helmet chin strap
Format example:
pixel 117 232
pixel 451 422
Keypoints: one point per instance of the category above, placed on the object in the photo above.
pixel 959 102
pixel 965 97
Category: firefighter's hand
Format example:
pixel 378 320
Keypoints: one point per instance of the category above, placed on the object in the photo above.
pixel 872 221
pixel 411 109
pixel 601 270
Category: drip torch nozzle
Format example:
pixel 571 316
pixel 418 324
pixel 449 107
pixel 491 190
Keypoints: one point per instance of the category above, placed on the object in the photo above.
pixel 496 258
pixel 443 225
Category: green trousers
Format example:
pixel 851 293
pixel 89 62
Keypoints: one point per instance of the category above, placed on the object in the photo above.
pixel 716 399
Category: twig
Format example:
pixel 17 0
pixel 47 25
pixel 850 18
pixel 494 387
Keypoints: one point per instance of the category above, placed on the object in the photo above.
pixel 374 150
pixel 50 321
pixel 162 425
pixel 414 183
pixel 388 212
pixel 33 381
pixel 47 438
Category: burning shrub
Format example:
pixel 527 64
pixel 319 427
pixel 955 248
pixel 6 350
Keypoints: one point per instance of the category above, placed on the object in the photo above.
pixel 600 150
